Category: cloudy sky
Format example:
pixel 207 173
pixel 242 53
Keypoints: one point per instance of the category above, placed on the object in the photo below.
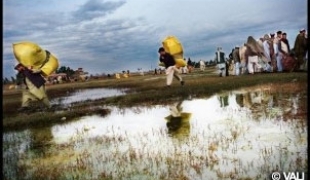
pixel 108 36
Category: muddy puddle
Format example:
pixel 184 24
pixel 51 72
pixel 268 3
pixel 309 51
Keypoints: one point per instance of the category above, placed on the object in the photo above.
pixel 235 135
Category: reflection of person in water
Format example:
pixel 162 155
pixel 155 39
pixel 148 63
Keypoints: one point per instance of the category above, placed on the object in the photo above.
pixel 178 122
pixel 239 99
pixel 223 100
pixel 40 139
pixel 178 127
pixel 174 124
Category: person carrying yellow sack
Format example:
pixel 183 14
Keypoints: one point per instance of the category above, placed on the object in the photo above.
pixel 171 69
pixel 34 63
pixel 33 87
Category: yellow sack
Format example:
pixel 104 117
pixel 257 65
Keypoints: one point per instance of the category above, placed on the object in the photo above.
pixel 31 54
pixel 180 62
pixel 173 46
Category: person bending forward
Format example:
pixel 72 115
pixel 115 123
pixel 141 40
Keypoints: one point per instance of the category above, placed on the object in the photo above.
pixel 171 69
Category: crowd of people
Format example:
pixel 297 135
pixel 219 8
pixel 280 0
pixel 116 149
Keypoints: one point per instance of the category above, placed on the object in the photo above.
pixel 271 53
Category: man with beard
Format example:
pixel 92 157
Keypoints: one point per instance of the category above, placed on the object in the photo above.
pixel 300 48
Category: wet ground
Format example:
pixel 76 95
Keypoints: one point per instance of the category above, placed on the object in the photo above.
pixel 87 94
pixel 247 133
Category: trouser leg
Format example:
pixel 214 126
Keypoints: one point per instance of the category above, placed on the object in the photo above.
pixel 221 69
pixel 243 68
pixel 169 73
pixel 279 63
pixel 253 60
pixel 224 72
pixel 46 102
pixel 251 67
pixel 38 93
pixel 305 65
pixel 176 73
pixel 237 69
pixel 27 97
pixel 300 62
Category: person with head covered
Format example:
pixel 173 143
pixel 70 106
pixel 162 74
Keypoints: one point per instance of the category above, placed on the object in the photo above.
pixel 33 87
pixel 251 54
pixel 266 46
pixel 34 63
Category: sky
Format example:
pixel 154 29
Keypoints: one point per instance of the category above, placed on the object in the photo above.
pixel 109 36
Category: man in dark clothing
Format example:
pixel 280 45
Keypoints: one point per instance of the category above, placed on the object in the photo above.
pixel 171 69
pixel 220 62
pixel 300 48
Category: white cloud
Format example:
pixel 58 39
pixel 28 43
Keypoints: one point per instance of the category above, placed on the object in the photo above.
pixel 111 36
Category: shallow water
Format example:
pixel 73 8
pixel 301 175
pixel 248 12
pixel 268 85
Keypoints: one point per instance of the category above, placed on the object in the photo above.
pixel 239 134
pixel 88 94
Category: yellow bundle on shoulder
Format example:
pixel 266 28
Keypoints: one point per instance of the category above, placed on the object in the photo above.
pixel 31 54
pixel 174 47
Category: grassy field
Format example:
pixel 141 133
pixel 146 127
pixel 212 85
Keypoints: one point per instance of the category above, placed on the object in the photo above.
pixel 143 90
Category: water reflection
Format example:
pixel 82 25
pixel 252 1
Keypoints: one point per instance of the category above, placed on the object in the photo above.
pixel 14 144
pixel 19 146
pixel 178 122
pixel 41 140
pixel 239 99
pixel 223 100
pixel 88 94
pixel 235 135
pixel 262 103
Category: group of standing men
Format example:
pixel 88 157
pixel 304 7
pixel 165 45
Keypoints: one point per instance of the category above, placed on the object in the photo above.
pixel 271 54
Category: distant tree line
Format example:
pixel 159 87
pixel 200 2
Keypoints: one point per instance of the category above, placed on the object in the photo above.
pixel 67 70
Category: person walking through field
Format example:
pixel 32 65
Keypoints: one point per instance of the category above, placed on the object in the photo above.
pixel 300 48
pixel 267 53
pixel 276 51
pixel 288 61
pixel 171 68
pixel 272 53
pixel 202 65
pixel 236 58
pixel 252 53
pixel 33 87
